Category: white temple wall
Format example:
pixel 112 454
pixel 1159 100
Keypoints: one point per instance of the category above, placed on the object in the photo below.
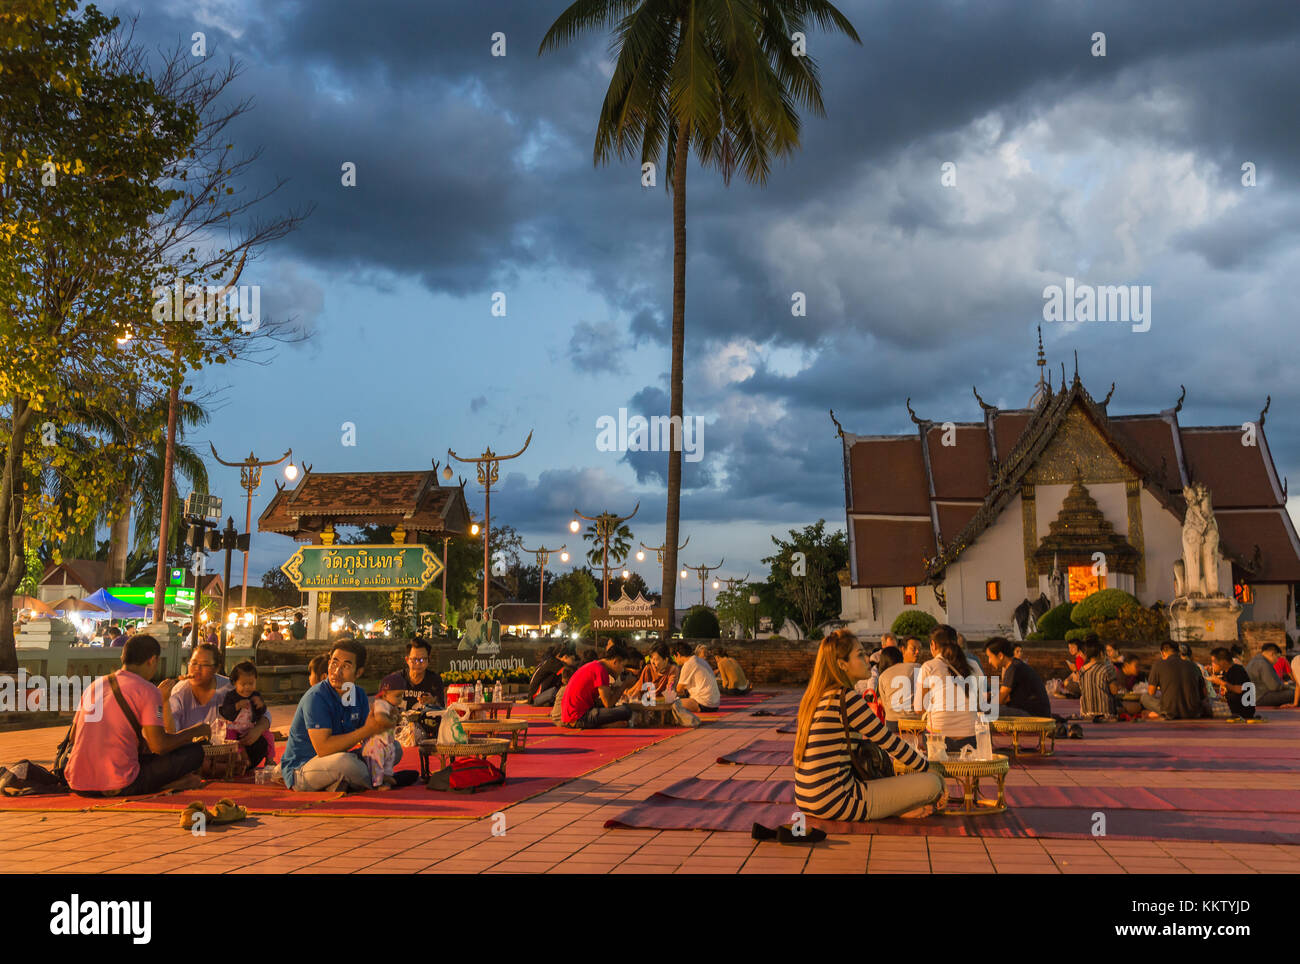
pixel 997 555
pixel 856 608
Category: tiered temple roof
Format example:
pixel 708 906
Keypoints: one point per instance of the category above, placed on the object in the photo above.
pixel 926 502
pixel 413 500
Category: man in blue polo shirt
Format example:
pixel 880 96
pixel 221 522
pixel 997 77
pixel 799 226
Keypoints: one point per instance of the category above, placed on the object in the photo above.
pixel 332 718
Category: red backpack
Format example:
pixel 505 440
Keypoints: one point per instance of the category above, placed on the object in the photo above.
pixel 466 775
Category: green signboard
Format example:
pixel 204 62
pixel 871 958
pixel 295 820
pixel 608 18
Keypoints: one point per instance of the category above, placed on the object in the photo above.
pixel 360 568
pixel 176 597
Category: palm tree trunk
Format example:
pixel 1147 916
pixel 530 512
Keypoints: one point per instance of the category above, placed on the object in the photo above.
pixel 160 582
pixel 119 534
pixel 672 523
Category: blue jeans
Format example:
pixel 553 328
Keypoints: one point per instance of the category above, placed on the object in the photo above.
pixel 599 716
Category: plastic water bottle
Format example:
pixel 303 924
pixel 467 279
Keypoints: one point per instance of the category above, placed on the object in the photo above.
pixel 478 691
pixel 497 694
pixel 983 739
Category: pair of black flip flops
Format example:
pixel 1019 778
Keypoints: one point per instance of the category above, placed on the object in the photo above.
pixel 786 835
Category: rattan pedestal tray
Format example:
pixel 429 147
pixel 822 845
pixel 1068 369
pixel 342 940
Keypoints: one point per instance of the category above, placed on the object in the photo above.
pixel 1043 726
pixel 478 746
pixel 968 773
pixel 516 731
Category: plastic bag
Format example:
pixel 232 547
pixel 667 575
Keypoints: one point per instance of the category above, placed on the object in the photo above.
pixel 684 716
pixel 935 748
pixel 968 752
pixel 450 731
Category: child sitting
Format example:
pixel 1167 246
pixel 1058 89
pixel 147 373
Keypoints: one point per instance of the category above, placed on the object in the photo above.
pixel 382 751
pixel 242 708
pixel 316 669
pixel 566 674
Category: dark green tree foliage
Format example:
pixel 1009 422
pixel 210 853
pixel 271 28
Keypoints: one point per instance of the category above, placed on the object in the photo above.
pixel 700 623
pixel 804 572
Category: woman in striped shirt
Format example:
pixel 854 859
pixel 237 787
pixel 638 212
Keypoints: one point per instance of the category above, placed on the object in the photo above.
pixel 831 715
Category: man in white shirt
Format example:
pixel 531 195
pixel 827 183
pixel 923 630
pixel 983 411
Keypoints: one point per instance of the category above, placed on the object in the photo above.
pixel 696 684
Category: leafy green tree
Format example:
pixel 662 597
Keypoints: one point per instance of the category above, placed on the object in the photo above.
pixel 85 149
pixel 577 590
pixel 804 572
pixel 722 76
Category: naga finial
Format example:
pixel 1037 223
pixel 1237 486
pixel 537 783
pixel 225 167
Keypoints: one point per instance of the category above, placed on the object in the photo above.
pixel 839 429
pixel 1267 402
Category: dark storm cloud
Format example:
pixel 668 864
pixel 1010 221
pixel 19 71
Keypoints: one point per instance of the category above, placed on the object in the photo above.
pixel 472 170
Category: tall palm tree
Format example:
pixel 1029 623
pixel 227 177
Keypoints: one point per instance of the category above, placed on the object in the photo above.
pixel 138 429
pixel 620 543
pixel 722 76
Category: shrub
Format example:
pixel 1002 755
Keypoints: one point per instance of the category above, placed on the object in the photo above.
pixel 1034 637
pixel 1055 623
pixel 913 622
pixel 1077 634
pixel 701 623
pixel 1134 624
pixel 1101 606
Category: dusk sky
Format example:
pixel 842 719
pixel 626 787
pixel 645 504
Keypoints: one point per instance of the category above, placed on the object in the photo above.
pixel 475 175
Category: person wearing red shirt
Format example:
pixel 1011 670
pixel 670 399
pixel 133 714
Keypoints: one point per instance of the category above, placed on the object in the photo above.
pixel 589 700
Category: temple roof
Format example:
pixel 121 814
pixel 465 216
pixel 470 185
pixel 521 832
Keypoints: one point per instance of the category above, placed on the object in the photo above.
pixel 916 503
pixel 413 500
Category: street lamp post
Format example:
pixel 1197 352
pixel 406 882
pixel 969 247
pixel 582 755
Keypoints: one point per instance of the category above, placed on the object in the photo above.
pixel 703 573
pixel 606 525
pixel 250 477
pixel 487 466
pixel 753 601
pixel 543 556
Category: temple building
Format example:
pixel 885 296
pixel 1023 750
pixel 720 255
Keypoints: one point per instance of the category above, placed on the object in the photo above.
pixel 982 523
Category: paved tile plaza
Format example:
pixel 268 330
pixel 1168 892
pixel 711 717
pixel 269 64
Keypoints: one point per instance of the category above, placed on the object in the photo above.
pixel 561 831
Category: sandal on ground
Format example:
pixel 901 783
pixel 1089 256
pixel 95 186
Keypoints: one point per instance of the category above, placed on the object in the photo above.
pixel 1076 731
pixel 811 835
pixel 760 832
pixel 227 811
pixel 187 815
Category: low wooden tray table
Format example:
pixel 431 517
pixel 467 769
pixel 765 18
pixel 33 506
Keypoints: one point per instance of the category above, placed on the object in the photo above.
pixel 657 713
pixel 477 746
pixel 221 759
pixel 516 731
pixel 484 711
pixel 1043 726
pixel 968 773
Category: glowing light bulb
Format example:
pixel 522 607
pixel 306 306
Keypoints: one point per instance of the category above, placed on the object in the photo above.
pixel 291 471
pixel 564 557
pixel 640 556
pixel 473 530
pixel 575 525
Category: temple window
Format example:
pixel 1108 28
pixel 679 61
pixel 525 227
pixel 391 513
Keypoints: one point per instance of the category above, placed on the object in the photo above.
pixel 992 590
pixel 909 595
pixel 1243 593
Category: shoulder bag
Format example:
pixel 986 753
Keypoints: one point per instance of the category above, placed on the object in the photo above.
pixel 869 762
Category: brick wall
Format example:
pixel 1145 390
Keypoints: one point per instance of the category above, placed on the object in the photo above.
pixel 767 662
pixel 1255 635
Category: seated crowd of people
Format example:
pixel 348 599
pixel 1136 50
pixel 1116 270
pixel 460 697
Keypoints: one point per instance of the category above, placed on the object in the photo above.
pixel 131 736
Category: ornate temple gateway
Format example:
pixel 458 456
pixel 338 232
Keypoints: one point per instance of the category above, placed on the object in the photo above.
pixel 978 523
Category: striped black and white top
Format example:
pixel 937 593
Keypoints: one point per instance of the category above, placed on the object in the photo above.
pixel 824 782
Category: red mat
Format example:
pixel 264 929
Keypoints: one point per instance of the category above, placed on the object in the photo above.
pixel 549 761
pixel 661 812
pixel 1209 800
